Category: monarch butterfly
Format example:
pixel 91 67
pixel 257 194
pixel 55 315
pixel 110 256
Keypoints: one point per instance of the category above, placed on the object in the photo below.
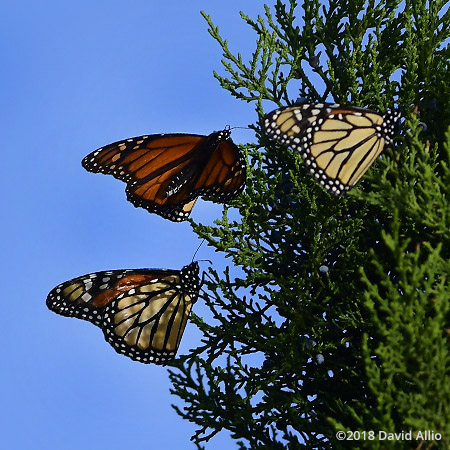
pixel 166 173
pixel 338 143
pixel 142 312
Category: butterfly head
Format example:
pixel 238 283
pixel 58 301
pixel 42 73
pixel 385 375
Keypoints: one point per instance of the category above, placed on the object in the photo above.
pixel 391 125
pixel 190 280
pixel 223 135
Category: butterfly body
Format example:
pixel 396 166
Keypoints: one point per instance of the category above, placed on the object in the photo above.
pixel 142 312
pixel 166 173
pixel 337 143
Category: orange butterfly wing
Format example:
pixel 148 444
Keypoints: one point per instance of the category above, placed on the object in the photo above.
pixel 166 173
pixel 224 174
pixel 142 312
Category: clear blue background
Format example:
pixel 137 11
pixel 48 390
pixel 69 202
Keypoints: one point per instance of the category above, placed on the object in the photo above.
pixel 75 76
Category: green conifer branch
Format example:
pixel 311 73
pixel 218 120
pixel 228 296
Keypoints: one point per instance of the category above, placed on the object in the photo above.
pixel 293 353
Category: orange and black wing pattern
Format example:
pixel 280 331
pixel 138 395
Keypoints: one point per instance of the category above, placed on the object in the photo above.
pixel 337 143
pixel 142 312
pixel 166 173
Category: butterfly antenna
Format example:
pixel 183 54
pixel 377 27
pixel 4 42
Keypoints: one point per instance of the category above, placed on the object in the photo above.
pixel 237 128
pixel 198 248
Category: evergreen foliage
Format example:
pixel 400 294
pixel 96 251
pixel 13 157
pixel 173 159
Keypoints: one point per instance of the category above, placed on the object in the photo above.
pixel 341 320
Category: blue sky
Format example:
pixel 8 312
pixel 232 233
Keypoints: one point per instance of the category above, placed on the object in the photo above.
pixel 76 76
